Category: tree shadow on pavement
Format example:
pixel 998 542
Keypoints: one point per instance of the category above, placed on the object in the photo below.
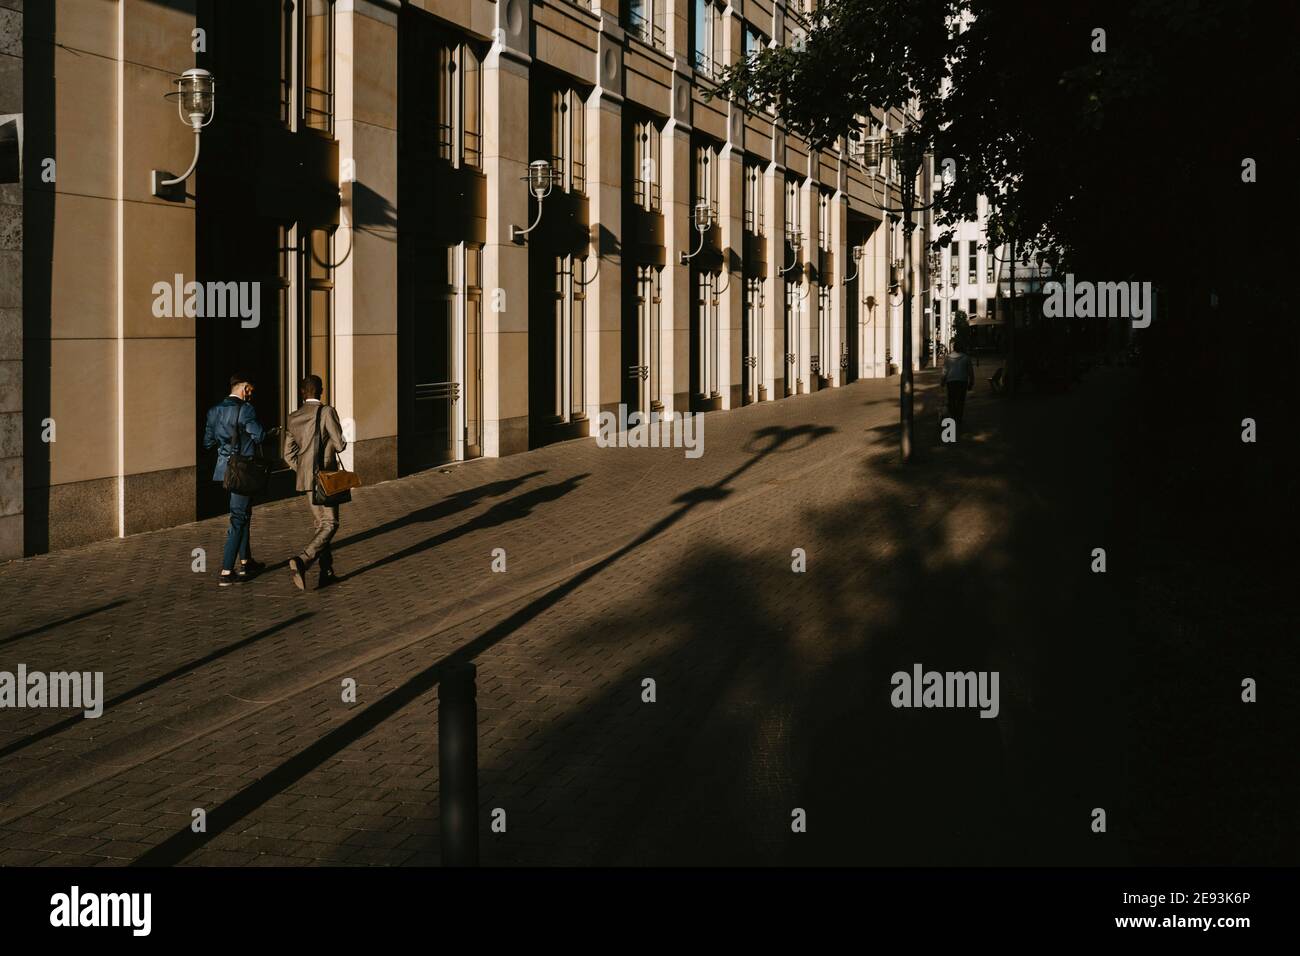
pixel 774 688
pixel 773 693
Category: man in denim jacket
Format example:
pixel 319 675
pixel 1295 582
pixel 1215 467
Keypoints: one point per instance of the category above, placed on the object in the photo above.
pixel 234 414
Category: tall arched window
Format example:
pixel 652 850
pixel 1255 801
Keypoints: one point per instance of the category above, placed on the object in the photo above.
pixel 569 139
pixel 645 149
pixel 460 104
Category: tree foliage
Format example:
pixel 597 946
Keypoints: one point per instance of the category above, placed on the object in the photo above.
pixel 1128 156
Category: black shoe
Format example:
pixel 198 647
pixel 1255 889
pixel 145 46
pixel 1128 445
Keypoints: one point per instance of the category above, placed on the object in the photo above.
pixel 297 570
pixel 251 567
pixel 325 578
pixel 227 579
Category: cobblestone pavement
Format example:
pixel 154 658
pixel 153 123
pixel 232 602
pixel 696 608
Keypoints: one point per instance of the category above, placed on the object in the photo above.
pixel 772 687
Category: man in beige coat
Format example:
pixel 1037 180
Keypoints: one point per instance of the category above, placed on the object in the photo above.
pixel 302 450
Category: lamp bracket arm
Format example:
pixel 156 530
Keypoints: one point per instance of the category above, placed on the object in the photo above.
pixel 516 232
pixel 697 251
pixel 193 165
pixel 784 269
pixel 586 282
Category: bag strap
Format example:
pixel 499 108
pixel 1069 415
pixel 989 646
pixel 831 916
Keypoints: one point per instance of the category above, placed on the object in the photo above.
pixel 234 441
pixel 320 444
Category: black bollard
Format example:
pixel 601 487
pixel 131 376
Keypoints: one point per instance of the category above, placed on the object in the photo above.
pixel 458 765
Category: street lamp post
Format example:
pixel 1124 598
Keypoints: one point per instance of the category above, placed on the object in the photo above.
pixel 909 151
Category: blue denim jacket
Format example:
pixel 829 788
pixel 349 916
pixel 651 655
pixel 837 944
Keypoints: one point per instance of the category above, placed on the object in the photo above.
pixel 220 431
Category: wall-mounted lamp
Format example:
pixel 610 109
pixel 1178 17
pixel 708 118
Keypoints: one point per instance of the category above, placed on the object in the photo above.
pixel 196 102
pixel 857 257
pixel 896 282
pixel 795 239
pixel 540 179
pixel 703 217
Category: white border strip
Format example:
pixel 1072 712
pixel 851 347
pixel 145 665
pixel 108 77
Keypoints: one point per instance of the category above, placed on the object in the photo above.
pixel 121 269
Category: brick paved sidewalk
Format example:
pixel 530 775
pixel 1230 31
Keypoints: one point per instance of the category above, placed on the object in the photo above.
pixel 622 564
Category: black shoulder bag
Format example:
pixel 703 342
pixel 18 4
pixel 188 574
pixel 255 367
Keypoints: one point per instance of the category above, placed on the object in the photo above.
pixel 245 474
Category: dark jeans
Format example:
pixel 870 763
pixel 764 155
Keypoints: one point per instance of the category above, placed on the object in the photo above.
pixel 241 517
pixel 956 400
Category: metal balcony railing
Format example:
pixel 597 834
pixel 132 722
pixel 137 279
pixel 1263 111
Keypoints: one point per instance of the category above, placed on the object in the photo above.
pixel 706 65
pixel 648 32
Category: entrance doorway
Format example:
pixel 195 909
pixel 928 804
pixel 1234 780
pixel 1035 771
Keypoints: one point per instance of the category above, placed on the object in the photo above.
pixel 641 393
pixel 442 193
pixel 443 389
pixel 705 393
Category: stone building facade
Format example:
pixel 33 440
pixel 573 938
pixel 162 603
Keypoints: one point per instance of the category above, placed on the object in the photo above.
pixel 354 214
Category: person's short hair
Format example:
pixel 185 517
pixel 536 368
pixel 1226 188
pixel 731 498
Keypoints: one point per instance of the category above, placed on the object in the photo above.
pixel 239 378
pixel 311 387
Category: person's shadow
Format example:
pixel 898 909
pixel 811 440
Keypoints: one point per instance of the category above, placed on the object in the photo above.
pixel 501 513
pixel 451 505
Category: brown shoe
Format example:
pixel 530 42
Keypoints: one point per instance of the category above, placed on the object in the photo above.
pixel 296 570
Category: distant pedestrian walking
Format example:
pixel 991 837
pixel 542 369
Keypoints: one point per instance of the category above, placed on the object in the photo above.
pixel 959 376
pixel 313 444
pixel 233 429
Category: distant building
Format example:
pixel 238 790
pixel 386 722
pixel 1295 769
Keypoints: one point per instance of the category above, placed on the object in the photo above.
pixel 967 275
